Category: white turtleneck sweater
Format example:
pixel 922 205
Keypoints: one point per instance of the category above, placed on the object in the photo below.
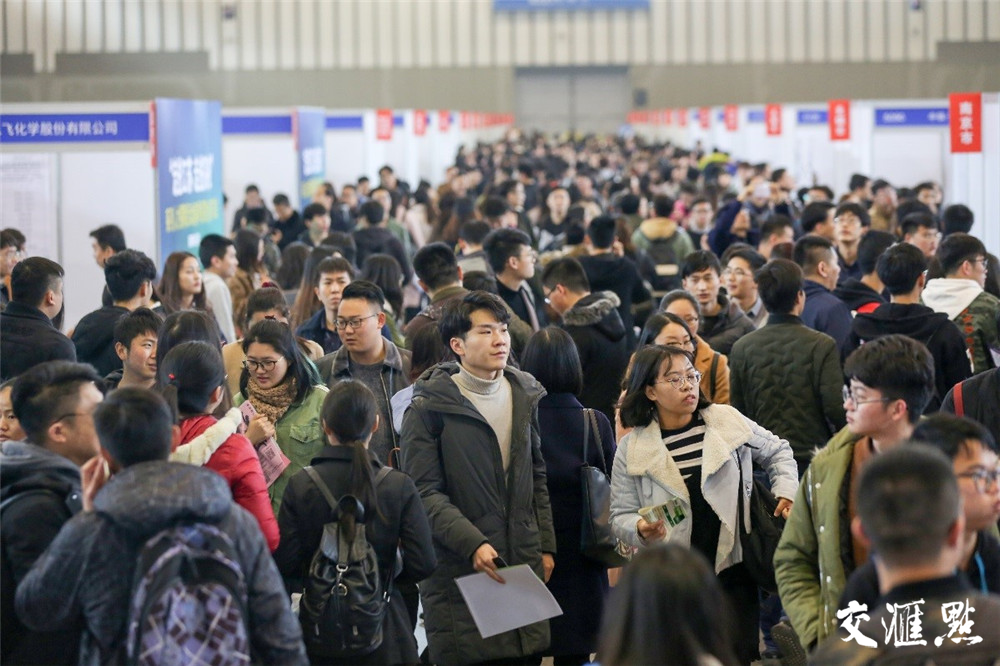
pixel 493 399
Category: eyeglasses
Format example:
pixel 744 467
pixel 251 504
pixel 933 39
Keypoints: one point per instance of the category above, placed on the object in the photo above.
pixel 531 256
pixel 847 220
pixel 266 365
pixel 353 324
pixel 12 252
pixel 982 479
pixel 679 381
pixel 850 397
pixel 738 273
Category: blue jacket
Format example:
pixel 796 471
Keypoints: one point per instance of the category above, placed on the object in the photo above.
pixel 826 313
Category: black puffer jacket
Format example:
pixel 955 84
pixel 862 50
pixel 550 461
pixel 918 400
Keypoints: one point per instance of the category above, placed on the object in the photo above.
pixel 27 338
pixel 453 457
pixel 95 340
pixel 599 334
pixel 88 571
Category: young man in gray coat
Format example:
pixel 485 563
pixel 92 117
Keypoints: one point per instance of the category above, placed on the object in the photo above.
pixel 470 442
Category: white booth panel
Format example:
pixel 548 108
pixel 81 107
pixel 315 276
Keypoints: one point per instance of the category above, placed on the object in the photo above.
pixel 345 157
pixel 266 160
pixel 907 156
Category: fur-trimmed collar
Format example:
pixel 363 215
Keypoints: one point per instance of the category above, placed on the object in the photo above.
pixel 201 448
pixel 591 309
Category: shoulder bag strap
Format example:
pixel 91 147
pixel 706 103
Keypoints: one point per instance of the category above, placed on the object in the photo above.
pixel 381 474
pixel 712 372
pixel 327 495
pixel 591 416
pixel 959 402
pixel 586 433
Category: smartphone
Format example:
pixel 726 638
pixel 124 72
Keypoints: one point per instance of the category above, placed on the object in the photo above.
pixel 499 562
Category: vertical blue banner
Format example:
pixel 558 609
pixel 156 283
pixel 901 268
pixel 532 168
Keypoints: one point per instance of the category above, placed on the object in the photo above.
pixel 310 148
pixel 187 145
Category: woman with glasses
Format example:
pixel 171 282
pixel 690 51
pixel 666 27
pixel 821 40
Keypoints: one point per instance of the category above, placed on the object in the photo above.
pixel 667 328
pixel 714 385
pixel 284 389
pixel 685 472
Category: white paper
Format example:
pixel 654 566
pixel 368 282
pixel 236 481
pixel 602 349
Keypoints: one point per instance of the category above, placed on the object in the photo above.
pixel 497 608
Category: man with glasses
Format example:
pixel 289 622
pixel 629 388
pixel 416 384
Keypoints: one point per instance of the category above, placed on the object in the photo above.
pixel 921 230
pixel 961 296
pixel 513 261
pixel 368 358
pixel 850 223
pixel 11 251
pixel 891 380
pixel 722 321
pixel 40 489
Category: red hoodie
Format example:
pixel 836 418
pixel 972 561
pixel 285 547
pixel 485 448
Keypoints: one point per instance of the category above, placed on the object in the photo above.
pixel 215 444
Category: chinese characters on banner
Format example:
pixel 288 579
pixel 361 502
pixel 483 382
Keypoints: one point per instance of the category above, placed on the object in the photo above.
pixel 840 119
pixel 966 117
pixel 731 115
pixel 383 124
pixel 444 120
pixel 309 129
pixel 772 118
pixel 419 122
pixel 705 117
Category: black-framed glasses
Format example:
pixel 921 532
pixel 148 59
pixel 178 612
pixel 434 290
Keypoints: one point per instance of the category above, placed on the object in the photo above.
pixel 850 397
pixel 353 324
pixel 982 479
pixel 266 365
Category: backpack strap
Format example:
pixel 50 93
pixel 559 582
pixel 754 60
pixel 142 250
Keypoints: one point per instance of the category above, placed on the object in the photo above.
pixel 959 402
pixel 712 373
pixel 381 474
pixel 323 489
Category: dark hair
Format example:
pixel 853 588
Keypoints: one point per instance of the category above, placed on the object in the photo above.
pixel 474 232
pixel 957 218
pixel 912 222
pixel 825 189
pixel 900 267
pixel 678 295
pixel 427 350
pixel 810 250
pixel 365 291
pixel 775 224
pixel 313 210
pixel 373 212
pixel 951 434
pixel 332 265
pixel 753 258
pixel 279 336
pixel 629 204
pixel 32 278
pixel 135 323
pixel 265 299
pixel 908 501
pixel 668 607
pixel 135 426
pixel 502 244
pixel 255 216
pixel 42 393
pixel 873 244
pixel 186 326
pixel 306 302
pixel 552 358
pixel 169 289
pixel 879 185
pixel 663 205
pixel 349 412
pixel 898 366
pixel 109 236
pixel 655 323
pixel 251 188
pixel 637 410
pixel 126 271
pixel 436 265
pixel 456 320
pixel 480 281
pixel 190 372
pixel 955 249
pixel 857 181
pixel 568 272
pixel 698 261
pixel 856 210
pixel 281 200
pixel 293 259
pixel 492 207
pixel 213 245
pixel 11 237
pixel 779 282
pixel 247 244
pixel 602 231
pixel 383 270
pixel 814 214
pixel 914 207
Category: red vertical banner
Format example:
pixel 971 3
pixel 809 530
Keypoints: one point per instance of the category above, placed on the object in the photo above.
pixel 444 120
pixel 705 117
pixel 731 112
pixel 772 118
pixel 682 117
pixel 419 122
pixel 464 120
pixel 839 117
pixel 668 116
pixel 383 124
pixel 966 120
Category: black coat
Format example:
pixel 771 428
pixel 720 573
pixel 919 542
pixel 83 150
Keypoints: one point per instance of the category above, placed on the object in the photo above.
pixel 50 489
pixel 453 456
pixel 94 338
pixel 400 520
pixel 980 396
pixel 609 272
pixel 579 585
pixel 599 335
pixel 379 240
pixel 27 338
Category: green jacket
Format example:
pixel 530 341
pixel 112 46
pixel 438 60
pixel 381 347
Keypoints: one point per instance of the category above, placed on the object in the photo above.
pixel 808 565
pixel 978 324
pixel 299 433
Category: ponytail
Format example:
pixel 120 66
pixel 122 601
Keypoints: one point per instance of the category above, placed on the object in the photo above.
pixel 350 412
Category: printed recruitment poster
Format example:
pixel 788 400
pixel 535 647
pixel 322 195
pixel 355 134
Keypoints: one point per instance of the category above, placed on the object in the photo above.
pixel 187 154
pixel 310 146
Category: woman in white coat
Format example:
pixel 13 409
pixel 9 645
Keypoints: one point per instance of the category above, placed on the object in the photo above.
pixel 688 456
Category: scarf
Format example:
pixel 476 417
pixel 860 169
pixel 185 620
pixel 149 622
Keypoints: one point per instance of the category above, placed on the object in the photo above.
pixel 272 402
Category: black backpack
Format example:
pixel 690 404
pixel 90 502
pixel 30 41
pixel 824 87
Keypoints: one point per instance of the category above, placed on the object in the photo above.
pixel 668 271
pixel 346 597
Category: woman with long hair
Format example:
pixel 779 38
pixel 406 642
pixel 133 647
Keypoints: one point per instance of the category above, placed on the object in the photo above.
pixel 395 520
pixel 667 609
pixel 693 461
pixel 447 228
pixel 293 262
pixel 579 584
pixel 193 380
pixel 306 301
pixel 384 271
pixel 286 393
pixel 669 328
pixel 250 273
pixel 181 285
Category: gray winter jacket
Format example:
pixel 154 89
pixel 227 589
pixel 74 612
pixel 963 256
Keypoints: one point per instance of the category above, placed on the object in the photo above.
pixel 453 456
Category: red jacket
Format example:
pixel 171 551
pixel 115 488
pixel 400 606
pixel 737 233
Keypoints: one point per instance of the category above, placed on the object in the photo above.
pixel 216 445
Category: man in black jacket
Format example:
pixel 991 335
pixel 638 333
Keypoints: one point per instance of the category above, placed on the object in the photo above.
pixel 722 320
pixel 375 238
pixel 977 398
pixel 27 335
pixel 864 294
pixel 592 320
pixel 470 443
pixel 902 270
pixel 40 490
pixel 129 275
pixel 87 573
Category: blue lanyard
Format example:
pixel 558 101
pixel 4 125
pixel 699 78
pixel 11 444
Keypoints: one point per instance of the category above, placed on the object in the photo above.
pixel 982 572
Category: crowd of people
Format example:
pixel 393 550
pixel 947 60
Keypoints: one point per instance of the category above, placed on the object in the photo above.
pixel 398 386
